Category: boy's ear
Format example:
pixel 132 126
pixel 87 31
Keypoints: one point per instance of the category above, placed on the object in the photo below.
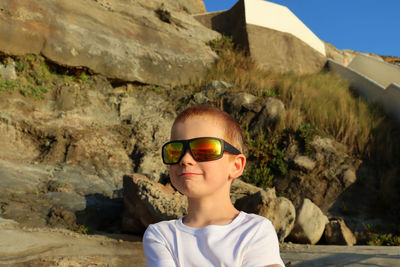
pixel 237 166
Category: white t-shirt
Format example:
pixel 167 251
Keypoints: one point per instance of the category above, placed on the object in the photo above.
pixel 249 240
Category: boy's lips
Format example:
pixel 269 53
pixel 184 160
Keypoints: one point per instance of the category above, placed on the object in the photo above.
pixel 189 174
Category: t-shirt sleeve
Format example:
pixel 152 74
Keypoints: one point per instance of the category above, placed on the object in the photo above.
pixel 156 250
pixel 263 249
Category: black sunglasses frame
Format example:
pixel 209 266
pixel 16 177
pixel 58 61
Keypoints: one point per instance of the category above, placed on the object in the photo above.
pixel 226 147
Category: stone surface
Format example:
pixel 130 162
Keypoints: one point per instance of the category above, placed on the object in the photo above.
pixel 188 6
pixel 321 176
pixel 310 224
pixel 242 106
pixel 270 115
pixel 122 40
pixel 282 52
pixel 151 118
pixel 349 177
pixel 337 233
pixel 345 56
pixel 7 71
pixel 304 163
pixel 58 247
pixel 240 189
pixel 215 89
pixel 280 211
pixel 356 256
pixel 147 202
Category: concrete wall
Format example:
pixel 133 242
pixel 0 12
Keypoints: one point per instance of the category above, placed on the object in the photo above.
pixel 280 18
pixel 381 72
pixel 388 98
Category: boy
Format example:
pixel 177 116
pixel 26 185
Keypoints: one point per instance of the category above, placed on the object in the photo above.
pixel 205 156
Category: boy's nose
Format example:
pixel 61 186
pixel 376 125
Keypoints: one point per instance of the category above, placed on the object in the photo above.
pixel 187 159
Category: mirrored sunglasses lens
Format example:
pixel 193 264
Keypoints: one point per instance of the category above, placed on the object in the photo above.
pixel 172 152
pixel 206 149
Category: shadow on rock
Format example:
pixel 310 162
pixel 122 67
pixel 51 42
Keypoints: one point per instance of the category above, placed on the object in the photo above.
pixel 102 213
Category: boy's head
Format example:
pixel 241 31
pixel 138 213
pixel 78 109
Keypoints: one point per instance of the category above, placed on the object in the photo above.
pixel 204 166
pixel 231 128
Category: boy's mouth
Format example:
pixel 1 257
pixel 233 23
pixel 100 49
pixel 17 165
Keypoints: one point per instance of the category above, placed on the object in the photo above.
pixel 188 174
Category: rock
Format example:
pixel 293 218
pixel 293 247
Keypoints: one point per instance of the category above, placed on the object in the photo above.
pixel 349 177
pixel 148 202
pixel 151 120
pixel 14 142
pixel 304 163
pixel 97 148
pixel 321 176
pixel 65 98
pixel 219 87
pixel 240 189
pixel 242 106
pixel 310 224
pixel 280 211
pixel 60 217
pixel 337 233
pixel 345 56
pixel 270 115
pixel 8 71
pixel 121 40
pixel 189 6
pixel 8 224
pixel 70 201
pixel 213 90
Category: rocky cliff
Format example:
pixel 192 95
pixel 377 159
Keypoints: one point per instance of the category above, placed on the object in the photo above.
pixel 88 93
pixel 123 40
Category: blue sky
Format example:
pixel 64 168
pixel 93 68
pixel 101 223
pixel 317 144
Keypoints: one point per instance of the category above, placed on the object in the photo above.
pixel 362 25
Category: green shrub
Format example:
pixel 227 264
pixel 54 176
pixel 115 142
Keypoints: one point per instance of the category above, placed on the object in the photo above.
pixel 385 240
pixel 265 157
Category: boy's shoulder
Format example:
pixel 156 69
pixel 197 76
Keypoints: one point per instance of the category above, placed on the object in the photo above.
pixel 254 218
pixel 162 227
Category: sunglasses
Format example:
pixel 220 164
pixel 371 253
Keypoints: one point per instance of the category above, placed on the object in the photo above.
pixel 201 149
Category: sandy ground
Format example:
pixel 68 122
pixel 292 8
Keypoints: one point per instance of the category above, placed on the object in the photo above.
pixel 58 247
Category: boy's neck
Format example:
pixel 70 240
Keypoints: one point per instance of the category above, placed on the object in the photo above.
pixel 203 212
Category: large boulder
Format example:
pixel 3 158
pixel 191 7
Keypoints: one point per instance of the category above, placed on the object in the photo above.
pixel 310 224
pixel 279 210
pixel 147 202
pixel 142 41
pixel 272 112
pixel 337 233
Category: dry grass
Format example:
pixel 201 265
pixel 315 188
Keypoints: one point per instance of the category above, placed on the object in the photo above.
pixel 323 100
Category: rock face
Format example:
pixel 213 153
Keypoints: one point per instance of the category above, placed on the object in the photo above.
pixel 122 40
pixel 310 178
pixel 72 150
pixel 310 224
pixel 279 210
pixel 337 233
pixel 272 112
pixel 148 202
pixel 345 56
pixel 189 6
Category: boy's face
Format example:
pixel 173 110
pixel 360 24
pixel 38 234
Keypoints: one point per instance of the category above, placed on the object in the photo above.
pixel 201 179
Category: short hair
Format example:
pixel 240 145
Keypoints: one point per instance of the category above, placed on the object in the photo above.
pixel 232 131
